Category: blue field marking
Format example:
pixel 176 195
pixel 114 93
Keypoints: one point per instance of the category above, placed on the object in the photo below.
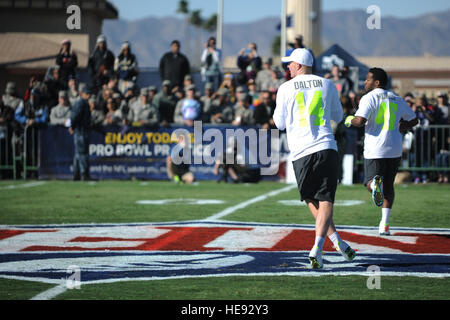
pixel 116 266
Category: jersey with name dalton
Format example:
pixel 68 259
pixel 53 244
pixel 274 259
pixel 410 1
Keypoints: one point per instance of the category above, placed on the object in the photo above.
pixel 305 107
pixel 383 111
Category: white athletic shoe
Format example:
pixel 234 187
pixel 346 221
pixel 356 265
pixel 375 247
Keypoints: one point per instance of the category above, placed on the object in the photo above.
pixel 383 229
pixel 349 254
pixel 315 259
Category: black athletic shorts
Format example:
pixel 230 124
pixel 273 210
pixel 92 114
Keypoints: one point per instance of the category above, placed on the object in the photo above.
pixel 180 169
pixel 386 168
pixel 317 175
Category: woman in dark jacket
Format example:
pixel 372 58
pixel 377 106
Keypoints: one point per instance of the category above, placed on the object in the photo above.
pixel 101 64
pixel 67 61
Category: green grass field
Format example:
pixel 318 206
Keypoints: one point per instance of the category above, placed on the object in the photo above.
pixel 60 202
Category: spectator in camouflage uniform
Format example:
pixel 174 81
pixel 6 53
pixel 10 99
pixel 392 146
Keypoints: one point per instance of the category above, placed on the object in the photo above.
pixel 166 102
pixel 10 98
pixel 142 112
pixel 221 109
pixel 97 116
pixel 206 101
pixel 61 112
pixel 244 115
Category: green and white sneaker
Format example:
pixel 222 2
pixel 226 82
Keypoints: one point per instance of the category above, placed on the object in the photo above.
pixel 377 191
pixel 349 254
pixel 383 229
pixel 176 179
pixel 315 259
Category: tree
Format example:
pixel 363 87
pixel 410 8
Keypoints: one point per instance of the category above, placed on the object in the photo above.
pixel 211 23
pixel 276 45
pixel 183 8
pixel 195 19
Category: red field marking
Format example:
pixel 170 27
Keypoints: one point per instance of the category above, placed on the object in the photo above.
pixel 297 240
pixel 4 234
pixel 196 238
pixel 178 238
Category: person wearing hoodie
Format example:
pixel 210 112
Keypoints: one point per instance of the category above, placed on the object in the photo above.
pixel 67 61
pixel 53 85
pixel 126 64
pixel 101 63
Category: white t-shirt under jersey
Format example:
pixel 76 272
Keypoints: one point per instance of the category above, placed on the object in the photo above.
pixel 305 107
pixel 383 111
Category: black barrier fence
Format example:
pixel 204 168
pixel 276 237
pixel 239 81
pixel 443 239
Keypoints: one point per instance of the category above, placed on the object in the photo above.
pixel 8 157
pixel 425 149
pixel 18 152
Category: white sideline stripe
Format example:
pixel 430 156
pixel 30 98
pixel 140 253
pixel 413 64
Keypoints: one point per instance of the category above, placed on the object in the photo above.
pixel 25 185
pixel 51 293
pixel 244 204
pixel 218 222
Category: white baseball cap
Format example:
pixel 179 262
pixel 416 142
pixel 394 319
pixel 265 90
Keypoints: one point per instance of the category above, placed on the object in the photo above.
pixel 301 56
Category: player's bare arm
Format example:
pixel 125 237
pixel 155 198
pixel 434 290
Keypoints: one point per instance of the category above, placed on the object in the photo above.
pixel 404 126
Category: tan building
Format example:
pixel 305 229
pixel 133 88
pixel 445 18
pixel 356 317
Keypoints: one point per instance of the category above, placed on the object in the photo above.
pixel 420 75
pixel 306 21
pixel 31 32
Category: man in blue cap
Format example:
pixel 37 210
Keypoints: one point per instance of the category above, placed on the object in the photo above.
pixel 80 120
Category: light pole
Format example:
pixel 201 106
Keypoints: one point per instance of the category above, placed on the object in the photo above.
pixel 283 27
pixel 219 24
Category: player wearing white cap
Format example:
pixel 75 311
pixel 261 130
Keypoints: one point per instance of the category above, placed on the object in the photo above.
pixel 384 115
pixel 306 104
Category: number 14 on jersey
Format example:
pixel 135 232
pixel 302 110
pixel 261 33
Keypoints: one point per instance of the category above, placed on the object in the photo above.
pixel 386 116
pixel 314 109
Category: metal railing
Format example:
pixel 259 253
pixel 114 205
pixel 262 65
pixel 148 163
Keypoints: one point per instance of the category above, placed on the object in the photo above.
pixel 30 152
pixel 426 149
pixel 8 157
pixel 18 152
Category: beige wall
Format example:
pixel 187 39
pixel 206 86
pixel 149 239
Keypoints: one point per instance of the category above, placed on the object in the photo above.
pixel 49 21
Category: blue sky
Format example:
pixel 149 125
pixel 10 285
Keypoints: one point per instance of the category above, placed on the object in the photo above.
pixel 250 10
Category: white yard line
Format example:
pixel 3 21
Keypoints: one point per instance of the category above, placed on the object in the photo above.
pixel 51 293
pixel 25 185
pixel 244 204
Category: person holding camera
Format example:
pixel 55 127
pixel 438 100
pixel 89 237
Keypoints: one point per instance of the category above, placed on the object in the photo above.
pixel 210 63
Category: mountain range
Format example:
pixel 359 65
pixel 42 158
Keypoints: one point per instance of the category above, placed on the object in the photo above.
pixel 150 37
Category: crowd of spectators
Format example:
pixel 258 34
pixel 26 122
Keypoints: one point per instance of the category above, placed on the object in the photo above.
pixel 247 97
